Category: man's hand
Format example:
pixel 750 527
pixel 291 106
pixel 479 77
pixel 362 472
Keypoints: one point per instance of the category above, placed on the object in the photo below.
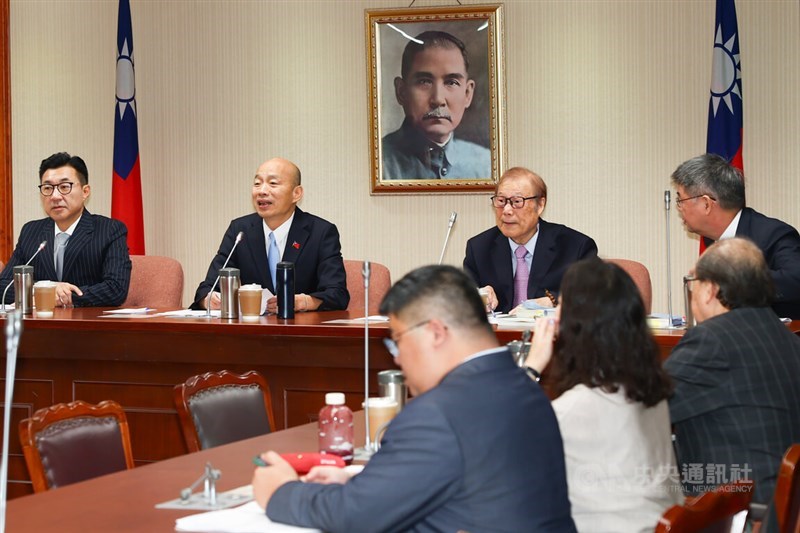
pixel 302 302
pixel 215 302
pixel 327 475
pixel 64 294
pixel 267 479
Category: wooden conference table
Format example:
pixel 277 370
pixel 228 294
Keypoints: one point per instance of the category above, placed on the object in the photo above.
pixel 124 502
pixel 81 355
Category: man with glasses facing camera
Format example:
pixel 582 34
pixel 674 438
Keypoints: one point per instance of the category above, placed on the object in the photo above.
pixel 86 254
pixel 523 257
pixel 711 201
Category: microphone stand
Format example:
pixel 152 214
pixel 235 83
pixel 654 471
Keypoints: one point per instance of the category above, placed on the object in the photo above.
pixel 450 223
pixel 13 333
pixel 366 452
pixel 669 261
pixel 211 292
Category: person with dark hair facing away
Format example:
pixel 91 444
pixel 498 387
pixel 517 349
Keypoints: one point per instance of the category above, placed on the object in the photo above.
pixel 711 202
pixel 435 90
pixel 85 254
pixel 476 450
pixel 605 369
pixel 736 406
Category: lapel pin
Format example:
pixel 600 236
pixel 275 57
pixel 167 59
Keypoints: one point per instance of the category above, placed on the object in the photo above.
pixel 296 245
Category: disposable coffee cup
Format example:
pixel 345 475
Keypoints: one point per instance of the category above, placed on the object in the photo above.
pixel 250 302
pixel 381 412
pixel 484 292
pixel 44 296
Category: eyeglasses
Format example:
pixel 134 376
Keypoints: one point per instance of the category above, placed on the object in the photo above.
pixel 679 201
pixel 516 201
pixel 65 187
pixel 391 342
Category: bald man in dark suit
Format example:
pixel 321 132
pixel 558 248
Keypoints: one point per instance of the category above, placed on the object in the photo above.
pixel 86 254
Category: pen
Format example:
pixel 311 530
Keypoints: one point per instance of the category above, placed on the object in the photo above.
pixel 258 461
pixel 552 298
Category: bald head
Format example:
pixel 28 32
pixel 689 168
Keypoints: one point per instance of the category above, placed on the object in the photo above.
pixel 738 268
pixel 284 166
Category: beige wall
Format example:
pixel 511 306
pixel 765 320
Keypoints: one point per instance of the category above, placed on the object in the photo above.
pixel 604 99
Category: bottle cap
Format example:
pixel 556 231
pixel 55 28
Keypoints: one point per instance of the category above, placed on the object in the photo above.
pixel 334 398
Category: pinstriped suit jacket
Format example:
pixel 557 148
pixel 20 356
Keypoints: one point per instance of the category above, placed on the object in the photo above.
pixel 737 395
pixel 96 259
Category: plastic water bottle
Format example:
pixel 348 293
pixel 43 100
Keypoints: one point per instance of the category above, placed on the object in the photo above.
pixel 336 427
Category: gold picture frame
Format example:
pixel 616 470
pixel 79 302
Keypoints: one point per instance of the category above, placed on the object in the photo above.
pixel 433 129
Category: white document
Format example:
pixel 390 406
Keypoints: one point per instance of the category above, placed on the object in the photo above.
pixel 247 518
pixel 129 311
pixel 189 313
pixel 359 320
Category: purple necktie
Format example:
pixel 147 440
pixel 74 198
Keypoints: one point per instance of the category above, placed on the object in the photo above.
pixel 521 276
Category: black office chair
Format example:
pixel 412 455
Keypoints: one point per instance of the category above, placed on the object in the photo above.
pixel 221 407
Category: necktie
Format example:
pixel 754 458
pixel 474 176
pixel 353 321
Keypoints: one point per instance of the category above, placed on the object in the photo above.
pixel 272 257
pixel 61 244
pixel 521 276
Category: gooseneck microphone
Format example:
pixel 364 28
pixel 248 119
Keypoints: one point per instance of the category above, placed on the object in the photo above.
pixel 450 223
pixel 13 333
pixel 669 269
pixel 239 237
pixel 365 272
pixel 5 291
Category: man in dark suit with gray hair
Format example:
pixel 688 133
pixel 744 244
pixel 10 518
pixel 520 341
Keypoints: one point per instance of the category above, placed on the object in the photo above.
pixel 736 405
pixel 86 254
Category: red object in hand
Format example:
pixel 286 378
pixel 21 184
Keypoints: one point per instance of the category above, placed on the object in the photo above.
pixel 303 462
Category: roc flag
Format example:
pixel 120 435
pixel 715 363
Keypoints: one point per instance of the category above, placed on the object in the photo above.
pixel 725 122
pixel 126 191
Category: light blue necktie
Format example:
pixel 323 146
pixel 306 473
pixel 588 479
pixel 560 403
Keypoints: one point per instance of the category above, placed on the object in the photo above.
pixel 61 244
pixel 272 257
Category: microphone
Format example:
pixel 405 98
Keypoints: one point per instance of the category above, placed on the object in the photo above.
pixel 367 451
pixel 239 237
pixel 450 223
pixel 669 270
pixel 39 249
pixel 13 333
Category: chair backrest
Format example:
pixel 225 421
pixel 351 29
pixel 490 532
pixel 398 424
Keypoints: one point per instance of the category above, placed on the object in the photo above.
pixel 217 408
pixel 711 512
pixel 380 280
pixel 641 277
pixel 76 441
pixel 156 282
pixel 787 492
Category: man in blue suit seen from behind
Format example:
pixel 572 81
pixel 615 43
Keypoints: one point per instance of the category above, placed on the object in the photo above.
pixel 281 231
pixel 523 257
pixel 478 449
pixel 86 254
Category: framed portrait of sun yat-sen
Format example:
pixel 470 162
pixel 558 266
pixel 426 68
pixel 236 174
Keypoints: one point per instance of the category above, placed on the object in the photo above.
pixel 436 98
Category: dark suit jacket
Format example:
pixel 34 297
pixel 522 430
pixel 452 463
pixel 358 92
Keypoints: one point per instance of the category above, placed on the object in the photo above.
pixel 780 244
pixel 480 452
pixel 489 258
pixel 96 259
pixel 312 245
pixel 737 394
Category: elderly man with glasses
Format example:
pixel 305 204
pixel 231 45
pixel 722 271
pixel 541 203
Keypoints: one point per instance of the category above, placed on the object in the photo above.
pixel 86 254
pixel 477 449
pixel 523 257
pixel 711 202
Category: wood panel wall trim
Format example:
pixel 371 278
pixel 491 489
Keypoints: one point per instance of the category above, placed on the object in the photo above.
pixel 6 196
